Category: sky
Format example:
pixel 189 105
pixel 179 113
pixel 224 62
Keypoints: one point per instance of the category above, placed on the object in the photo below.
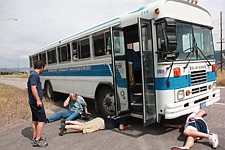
pixel 41 22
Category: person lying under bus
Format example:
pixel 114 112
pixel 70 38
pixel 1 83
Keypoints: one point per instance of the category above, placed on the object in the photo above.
pixel 94 125
pixel 76 105
pixel 195 129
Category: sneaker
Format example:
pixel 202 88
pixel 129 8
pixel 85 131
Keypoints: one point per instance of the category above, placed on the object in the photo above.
pixel 62 122
pixel 39 143
pixel 43 138
pixel 62 129
pixel 213 140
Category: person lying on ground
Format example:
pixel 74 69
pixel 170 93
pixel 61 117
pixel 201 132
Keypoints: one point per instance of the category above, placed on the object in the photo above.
pixel 195 129
pixel 76 106
pixel 94 125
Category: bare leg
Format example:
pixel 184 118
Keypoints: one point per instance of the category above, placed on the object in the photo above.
pixel 40 127
pixel 191 131
pixel 191 134
pixel 189 142
pixel 73 122
pixel 34 128
pixel 74 127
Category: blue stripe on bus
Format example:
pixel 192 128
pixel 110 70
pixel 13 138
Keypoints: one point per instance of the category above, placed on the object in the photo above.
pixel 139 9
pixel 95 70
pixel 103 70
pixel 179 82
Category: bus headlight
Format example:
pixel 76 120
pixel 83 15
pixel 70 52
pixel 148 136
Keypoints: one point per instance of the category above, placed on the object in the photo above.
pixel 180 95
pixel 214 86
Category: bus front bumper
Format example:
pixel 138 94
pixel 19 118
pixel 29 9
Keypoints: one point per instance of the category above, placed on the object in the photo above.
pixel 188 106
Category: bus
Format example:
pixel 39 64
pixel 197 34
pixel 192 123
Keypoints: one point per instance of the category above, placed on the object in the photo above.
pixel 155 62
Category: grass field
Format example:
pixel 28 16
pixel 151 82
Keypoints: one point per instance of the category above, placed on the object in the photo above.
pixel 14 107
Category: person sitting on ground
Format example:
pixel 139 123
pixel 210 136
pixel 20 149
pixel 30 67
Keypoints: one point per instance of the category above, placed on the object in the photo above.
pixel 95 125
pixel 76 106
pixel 195 129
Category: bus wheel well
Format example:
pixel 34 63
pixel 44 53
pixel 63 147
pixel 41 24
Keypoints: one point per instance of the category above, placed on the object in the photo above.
pixel 48 90
pixel 104 99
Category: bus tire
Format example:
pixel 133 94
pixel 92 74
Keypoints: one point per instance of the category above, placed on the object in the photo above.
pixel 106 101
pixel 49 90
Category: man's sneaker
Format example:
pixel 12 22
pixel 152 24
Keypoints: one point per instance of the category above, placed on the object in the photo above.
pixel 62 129
pixel 43 138
pixel 62 122
pixel 213 140
pixel 39 143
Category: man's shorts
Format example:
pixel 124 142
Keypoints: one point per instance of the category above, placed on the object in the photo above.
pixel 93 125
pixel 38 113
pixel 200 125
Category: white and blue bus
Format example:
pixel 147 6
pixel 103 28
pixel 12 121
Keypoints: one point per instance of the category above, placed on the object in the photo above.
pixel 172 49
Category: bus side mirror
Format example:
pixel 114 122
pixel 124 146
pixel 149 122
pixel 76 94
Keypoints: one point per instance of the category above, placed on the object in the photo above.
pixel 171 34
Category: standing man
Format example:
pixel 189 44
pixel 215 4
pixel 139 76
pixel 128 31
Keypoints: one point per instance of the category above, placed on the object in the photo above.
pixel 37 108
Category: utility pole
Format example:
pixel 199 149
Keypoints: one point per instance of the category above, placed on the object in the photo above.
pixel 221 42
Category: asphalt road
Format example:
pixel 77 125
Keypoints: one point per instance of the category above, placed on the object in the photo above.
pixel 153 137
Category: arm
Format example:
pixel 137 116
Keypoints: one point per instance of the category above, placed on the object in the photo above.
pixel 35 94
pixel 200 113
pixel 66 102
pixel 86 110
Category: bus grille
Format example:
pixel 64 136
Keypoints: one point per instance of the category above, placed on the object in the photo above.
pixel 198 77
pixel 199 89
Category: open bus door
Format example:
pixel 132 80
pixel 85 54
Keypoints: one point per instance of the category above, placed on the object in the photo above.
pixel 119 70
pixel 147 65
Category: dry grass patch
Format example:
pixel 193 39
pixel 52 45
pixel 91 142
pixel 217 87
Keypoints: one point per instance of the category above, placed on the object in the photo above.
pixel 220 80
pixel 14 107
pixel 15 76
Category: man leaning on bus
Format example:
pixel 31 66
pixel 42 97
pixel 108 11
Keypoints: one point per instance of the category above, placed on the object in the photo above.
pixel 76 107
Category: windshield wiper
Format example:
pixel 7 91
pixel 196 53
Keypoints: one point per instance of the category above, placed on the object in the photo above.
pixel 203 55
pixel 191 51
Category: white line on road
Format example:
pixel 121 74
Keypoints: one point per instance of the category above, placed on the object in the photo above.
pixel 220 104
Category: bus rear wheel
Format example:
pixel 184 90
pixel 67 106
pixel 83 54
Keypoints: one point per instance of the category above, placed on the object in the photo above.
pixel 106 101
pixel 49 91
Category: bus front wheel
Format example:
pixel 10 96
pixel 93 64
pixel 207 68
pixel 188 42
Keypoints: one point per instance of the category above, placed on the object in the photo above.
pixel 49 90
pixel 106 101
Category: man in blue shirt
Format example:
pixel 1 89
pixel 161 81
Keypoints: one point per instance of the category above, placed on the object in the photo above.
pixel 76 106
pixel 134 59
pixel 37 108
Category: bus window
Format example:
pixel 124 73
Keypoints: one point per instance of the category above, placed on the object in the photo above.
pixel 35 58
pixel 51 56
pixel 30 62
pixel 42 57
pixel 99 48
pixel 108 43
pixel 75 51
pixel 84 49
pixel 161 40
pixel 64 53
pixel 118 42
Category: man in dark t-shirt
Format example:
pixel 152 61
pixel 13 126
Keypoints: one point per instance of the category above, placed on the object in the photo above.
pixel 35 94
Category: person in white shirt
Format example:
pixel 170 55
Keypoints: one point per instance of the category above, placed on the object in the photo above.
pixel 196 128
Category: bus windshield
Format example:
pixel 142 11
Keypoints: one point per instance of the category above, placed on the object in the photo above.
pixel 193 42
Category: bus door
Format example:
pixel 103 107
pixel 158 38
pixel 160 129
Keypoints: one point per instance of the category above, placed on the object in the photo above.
pixel 119 70
pixel 147 65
